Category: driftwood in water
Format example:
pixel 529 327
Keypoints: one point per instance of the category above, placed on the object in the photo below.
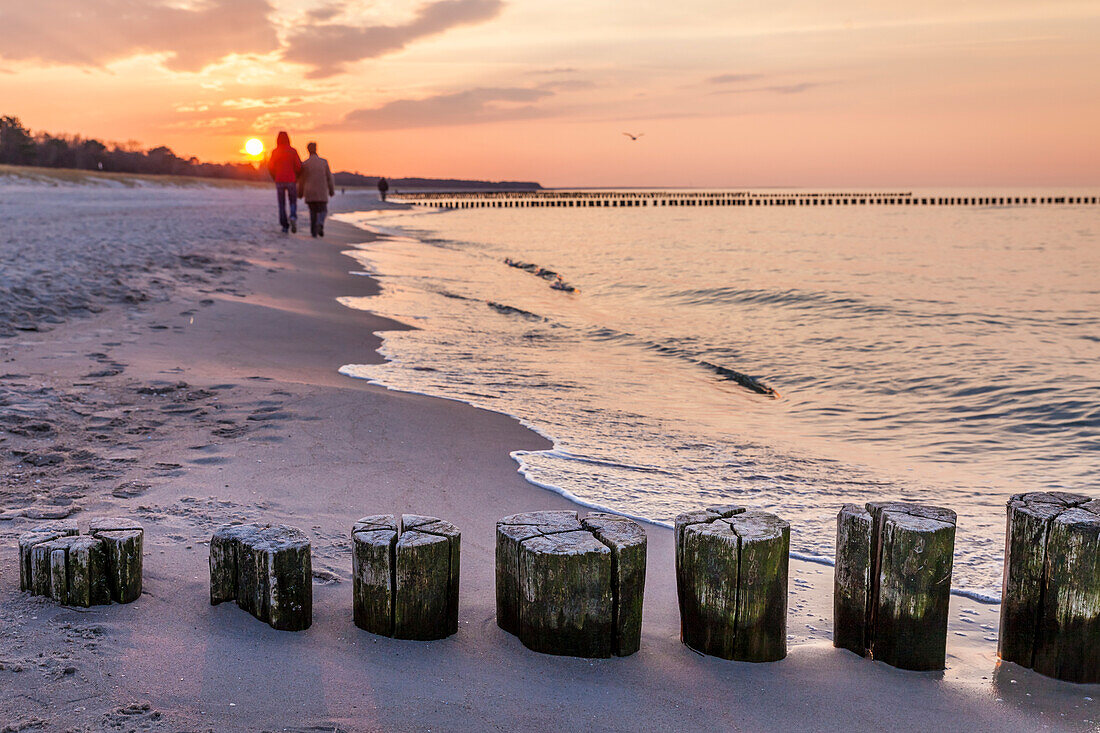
pixel 83 570
pixel 570 587
pixel 895 561
pixel 406 578
pixel 731 571
pixel 267 569
pixel 1050 610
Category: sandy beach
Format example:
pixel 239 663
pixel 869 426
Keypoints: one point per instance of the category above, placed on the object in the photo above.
pixel 168 355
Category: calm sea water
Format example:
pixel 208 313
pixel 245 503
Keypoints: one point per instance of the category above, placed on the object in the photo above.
pixel 944 355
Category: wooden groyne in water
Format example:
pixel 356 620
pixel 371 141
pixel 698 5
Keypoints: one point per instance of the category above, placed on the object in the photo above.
pixel 615 199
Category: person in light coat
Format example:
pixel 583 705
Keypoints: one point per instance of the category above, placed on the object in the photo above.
pixel 315 186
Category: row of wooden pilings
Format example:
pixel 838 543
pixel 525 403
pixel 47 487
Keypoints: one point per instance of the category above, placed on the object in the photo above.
pixel 572 585
pixel 588 199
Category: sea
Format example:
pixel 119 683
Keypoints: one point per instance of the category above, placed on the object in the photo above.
pixel 789 359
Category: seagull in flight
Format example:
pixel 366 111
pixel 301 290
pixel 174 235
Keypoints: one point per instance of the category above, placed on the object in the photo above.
pixel 634 137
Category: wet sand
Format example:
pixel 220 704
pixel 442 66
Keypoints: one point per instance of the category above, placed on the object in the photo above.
pixel 200 406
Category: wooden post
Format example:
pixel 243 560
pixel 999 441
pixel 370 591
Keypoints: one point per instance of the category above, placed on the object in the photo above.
pixel 82 570
pixel 29 539
pixel 565 595
pixel 1029 518
pixel 852 579
pixel 1050 609
pixel 627 542
pixel 511 532
pixel 732 583
pixel 406 579
pixel 87 572
pixel 224 552
pixel 912 593
pixel 288 564
pixel 269 568
pixel 570 587
pixel 911 550
pixel 373 539
pixel 123 540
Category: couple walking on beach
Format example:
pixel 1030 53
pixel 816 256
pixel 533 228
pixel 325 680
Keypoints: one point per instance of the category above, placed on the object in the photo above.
pixel 295 179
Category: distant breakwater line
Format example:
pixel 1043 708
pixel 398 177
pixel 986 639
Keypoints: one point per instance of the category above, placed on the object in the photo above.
pixel 618 199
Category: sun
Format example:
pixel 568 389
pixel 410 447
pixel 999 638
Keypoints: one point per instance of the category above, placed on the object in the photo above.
pixel 253 147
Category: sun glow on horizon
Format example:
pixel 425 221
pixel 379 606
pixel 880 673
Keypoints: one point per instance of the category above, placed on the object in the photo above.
pixel 254 146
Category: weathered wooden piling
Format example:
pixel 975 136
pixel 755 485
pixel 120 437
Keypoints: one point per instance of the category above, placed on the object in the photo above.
pixel 83 570
pixel 267 569
pixel 571 587
pixel 37 536
pixel 1050 610
pixel 406 578
pixel 895 561
pixel 373 539
pixel 88 577
pixel 123 541
pixel 627 542
pixel 852 579
pixel 731 573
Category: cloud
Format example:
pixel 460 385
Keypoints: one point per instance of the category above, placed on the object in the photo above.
pixel 192 37
pixel 567 85
pixel 213 123
pixel 558 70
pixel 472 106
pixel 732 78
pixel 328 48
pixel 775 88
pixel 324 13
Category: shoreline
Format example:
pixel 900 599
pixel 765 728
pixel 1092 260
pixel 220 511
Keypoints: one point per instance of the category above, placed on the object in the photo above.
pixel 380 231
pixel 319 450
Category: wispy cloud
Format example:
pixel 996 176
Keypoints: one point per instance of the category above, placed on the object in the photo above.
pixel 329 47
pixel 189 38
pixel 774 88
pixel 471 106
pixel 733 78
pixel 559 70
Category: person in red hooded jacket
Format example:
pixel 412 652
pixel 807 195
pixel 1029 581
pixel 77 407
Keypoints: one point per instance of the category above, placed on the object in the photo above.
pixel 285 166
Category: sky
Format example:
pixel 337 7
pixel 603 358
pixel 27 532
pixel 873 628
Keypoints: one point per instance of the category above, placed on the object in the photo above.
pixel 725 93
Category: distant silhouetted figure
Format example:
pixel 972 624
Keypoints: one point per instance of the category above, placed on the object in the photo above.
pixel 284 166
pixel 316 185
pixel 383 186
pixel 632 136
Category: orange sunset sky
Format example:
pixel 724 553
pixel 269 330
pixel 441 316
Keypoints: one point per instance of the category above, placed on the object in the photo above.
pixel 726 92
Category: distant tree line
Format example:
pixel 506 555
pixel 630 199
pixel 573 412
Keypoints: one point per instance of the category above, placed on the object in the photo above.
pixel 19 146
